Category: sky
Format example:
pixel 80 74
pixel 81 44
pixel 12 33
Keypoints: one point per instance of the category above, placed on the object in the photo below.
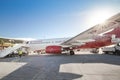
pixel 44 19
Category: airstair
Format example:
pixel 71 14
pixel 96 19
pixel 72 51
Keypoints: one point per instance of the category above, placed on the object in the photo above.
pixel 9 50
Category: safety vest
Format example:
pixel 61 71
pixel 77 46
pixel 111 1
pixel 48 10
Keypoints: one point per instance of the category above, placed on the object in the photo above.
pixel 20 52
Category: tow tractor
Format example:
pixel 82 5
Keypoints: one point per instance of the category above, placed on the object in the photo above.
pixel 113 49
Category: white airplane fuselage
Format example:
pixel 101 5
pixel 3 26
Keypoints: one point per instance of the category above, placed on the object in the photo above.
pixel 43 43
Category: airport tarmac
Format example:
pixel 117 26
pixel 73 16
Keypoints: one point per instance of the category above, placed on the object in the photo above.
pixel 61 67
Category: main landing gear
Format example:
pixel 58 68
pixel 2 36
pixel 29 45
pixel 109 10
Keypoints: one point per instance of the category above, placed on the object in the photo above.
pixel 72 52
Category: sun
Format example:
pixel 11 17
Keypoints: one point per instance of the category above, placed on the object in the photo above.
pixel 98 16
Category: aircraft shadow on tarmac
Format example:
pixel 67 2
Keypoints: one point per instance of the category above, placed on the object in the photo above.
pixel 46 67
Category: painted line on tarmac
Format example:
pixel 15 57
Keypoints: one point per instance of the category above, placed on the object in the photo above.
pixel 16 60
pixel 36 76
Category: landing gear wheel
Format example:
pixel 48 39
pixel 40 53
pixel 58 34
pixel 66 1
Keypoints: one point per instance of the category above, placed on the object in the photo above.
pixel 72 52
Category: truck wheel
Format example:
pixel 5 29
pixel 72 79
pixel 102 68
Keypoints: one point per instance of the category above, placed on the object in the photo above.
pixel 106 52
pixel 114 53
pixel 117 52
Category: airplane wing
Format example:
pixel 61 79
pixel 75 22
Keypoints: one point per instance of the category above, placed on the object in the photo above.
pixel 97 30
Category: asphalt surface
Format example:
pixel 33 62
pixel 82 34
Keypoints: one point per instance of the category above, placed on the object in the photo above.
pixel 61 67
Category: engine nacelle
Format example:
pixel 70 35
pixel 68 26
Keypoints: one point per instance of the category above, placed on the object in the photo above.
pixel 54 49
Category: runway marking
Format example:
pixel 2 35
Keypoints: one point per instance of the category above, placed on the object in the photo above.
pixel 6 68
pixel 16 60
pixel 36 75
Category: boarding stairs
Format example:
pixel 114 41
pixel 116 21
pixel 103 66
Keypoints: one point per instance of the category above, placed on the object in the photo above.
pixel 9 50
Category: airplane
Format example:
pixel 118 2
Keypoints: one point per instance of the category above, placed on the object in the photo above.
pixel 98 36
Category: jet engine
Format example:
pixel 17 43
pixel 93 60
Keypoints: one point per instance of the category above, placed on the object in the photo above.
pixel 53 49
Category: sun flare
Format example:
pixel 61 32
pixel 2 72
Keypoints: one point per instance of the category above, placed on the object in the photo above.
pixel 98 16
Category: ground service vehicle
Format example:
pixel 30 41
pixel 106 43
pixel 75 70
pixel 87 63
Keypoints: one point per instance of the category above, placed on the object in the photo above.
pixel 115 49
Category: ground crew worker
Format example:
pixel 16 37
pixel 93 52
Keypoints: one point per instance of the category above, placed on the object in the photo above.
pixel 20 53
